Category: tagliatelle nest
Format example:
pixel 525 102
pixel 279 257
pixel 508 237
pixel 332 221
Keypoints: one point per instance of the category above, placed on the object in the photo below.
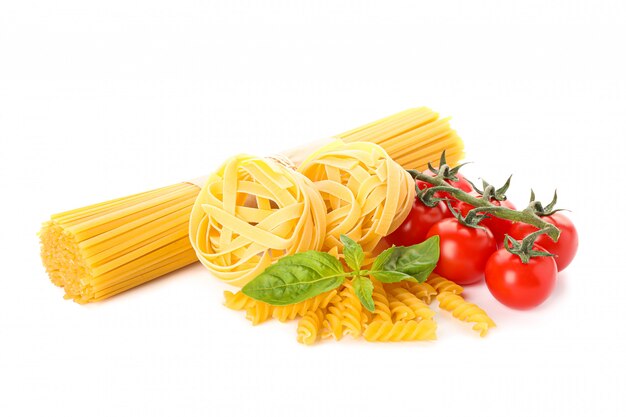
pixel 367 194
pixel 251 212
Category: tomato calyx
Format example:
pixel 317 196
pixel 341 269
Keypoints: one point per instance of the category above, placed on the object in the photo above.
pixel 489 192
pixel 471 219
pixel 526 248
pixel 541 210
pixel 445 171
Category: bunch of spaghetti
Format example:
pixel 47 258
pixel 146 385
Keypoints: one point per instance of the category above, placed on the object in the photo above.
pixel 402 312
pixel 101 250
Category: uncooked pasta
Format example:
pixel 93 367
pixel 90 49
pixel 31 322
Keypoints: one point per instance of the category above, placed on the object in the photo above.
pixel 399 315
pixel 367 195
pixel 103 249
pixel 251 212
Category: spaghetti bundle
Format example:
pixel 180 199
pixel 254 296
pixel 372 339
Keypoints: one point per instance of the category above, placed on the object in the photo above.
pixel 104 249
pixel 251 212
pixel 101 250
pixel 367 194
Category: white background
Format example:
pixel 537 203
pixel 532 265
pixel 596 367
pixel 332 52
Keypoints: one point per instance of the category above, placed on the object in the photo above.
pixel 103 99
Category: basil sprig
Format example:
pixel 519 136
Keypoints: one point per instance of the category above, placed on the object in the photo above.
pixel 304 275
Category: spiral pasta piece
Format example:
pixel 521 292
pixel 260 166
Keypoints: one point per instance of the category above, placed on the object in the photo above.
pixel 333 320
pixel 238 300
pixel 291 311
pixel 466 311
pixel 421 290
pixel 399 310
pixel 367 194
pixel 251 212
pixel 381 303
pixel 309 326
pixel 440 284
pixel 387 331
pixel 352 311
pixel 259 312
pixel 418 307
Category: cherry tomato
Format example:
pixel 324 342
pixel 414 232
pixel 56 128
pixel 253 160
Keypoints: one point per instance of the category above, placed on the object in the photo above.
pixel 564 249
pixel 463 250
pixel 499 227
pixel 519 285
pixel 414 228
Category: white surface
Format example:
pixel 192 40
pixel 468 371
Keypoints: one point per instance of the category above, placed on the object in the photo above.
pixel 102 99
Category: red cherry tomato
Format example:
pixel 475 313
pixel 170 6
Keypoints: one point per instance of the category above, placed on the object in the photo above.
pixel 463 250
pixel 499 227
pixel 519 285
pixel 564 249
pixel 414 228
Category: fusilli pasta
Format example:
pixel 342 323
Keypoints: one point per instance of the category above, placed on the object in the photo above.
pixel 309 326
pixel 465 311
pixel 401 311
pixel 440 284
pixel 238 300
pixel 421 290
pixel 381 303
pixel 352 310
pixel 418 307
pixel 291 311
pixel 387 331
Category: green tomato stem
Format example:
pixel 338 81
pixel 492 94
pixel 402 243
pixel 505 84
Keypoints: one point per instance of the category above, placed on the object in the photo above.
pixel 482 205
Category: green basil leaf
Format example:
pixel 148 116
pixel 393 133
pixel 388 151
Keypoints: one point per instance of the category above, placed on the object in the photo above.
pixel 391 276
pixel 296 278
pixel 352 252
pixel 416 261
pixel 382 259
pixel 364 288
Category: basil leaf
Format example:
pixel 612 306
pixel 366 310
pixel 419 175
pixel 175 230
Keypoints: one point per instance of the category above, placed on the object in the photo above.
pixel 391 276
pixel 364 288
pixel 382 259
pixel 352 252
pixel 416 261
pixel 296 278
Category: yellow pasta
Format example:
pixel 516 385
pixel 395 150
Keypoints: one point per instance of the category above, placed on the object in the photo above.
pixel 440 284
pixel 421 290
pixel 309 326
pixel 399 310
pixel 238 300
pixel 387 331
pixel 382 311
pixel 399 315
pixel 101 250
pixel 352 311
pixel 367 195
pixel 465 311
pixel 104 249
pixel 251 212
pixel 258 312
pixel 412 138
pixel 291 311
pixel 418 307
pixel 333 320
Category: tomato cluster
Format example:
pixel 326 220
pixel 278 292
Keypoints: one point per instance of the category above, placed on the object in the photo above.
pixel 469 253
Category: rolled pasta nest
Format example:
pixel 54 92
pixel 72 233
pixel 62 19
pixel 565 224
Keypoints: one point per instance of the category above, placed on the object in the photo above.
pixel 367 195
pixel 251 212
